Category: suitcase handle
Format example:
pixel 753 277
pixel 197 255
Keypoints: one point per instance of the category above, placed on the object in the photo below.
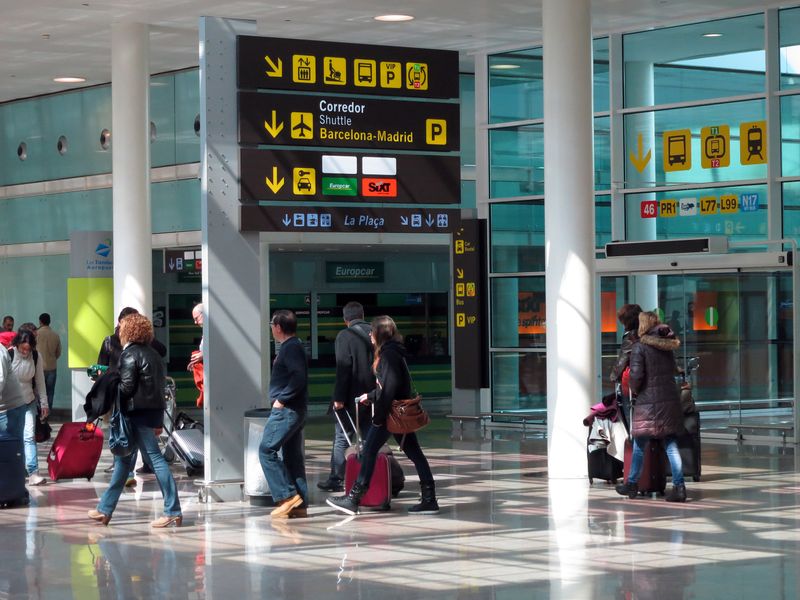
pixel 87 431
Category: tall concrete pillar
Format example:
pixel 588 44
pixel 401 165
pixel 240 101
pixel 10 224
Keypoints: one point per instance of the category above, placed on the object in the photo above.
pixel 130 130
pixel 569 232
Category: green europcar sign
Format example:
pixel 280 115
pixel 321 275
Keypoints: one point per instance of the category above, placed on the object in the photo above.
pixel 354 272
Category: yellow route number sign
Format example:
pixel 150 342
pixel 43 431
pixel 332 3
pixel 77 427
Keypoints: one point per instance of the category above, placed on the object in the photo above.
pixel 668 208
pixel 729 203
pixel 709 205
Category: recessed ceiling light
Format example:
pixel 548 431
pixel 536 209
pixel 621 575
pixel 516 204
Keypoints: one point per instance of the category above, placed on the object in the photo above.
pixel 69 79
pixel 712 35
pixel 394 18
pixel 504 67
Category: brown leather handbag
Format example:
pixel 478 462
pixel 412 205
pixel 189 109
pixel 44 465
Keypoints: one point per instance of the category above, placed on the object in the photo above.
pixel 407 416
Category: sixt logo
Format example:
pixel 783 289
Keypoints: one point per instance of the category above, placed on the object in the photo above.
pixel 103 248
pixel 386 188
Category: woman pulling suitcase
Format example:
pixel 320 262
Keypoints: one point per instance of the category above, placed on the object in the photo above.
pixel 657 412
pixel 394 382
pixel 141 395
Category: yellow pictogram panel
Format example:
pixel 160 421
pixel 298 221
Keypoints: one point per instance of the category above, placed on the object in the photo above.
pixel 302 126
pixel 729 203
pixel 391 74
pixel 715 147
pixel 753 143
pixel 668 207
pixel 334 70
pixel 461 319
pixel 436 132
pixel 304 181
pixel 304 68
pixel 364 72
pixel 709 205
pixel 416 76
pixel 677 150
pixel 461 290
pixel 459 246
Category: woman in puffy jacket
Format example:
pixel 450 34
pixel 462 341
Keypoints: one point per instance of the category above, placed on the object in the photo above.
pixel 141 393
pixel 394 382
pixel 657 412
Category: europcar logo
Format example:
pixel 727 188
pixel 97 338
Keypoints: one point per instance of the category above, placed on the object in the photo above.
pixel 103 248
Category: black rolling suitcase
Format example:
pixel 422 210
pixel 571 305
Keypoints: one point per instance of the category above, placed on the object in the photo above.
pixel 603 466
pixel 12 473
pixel 186 441
pixel 689 446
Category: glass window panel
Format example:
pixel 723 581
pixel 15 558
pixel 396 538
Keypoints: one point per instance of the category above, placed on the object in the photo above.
pixel 518 317
pixel 515 86
pixel 790 48
pixel 162 116
pixel 791 210
pixel 468 193
pixel 601 76
pixel 517 236
pixel 519 381
pixel 187 108
pixel 602 220
pixel 664 128
pixel 175 205
pixel 738 212
pixel 602 153
pixel 790 136
pixel 516 158
pixel 695 62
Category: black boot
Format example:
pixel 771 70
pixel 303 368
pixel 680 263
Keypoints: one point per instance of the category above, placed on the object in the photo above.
pixel 349 502
pixel 627 489
pixel 428 505
pixel 678 493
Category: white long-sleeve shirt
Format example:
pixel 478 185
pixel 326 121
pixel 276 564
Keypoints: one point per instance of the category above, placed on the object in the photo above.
pixel 27 373
pixel 11 395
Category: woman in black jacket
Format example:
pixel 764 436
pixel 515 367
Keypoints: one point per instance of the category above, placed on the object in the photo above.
pixel 657 412
pixel 394 382
pixel 141 394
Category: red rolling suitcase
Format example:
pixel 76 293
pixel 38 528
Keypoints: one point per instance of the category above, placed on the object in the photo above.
pixel 378 494
pixel 653 478
pixel 75 451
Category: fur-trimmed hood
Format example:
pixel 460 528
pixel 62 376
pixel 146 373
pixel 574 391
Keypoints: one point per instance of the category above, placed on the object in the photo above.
pixel 661 337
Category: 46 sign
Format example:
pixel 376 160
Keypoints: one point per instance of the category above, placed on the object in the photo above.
pixel 649 209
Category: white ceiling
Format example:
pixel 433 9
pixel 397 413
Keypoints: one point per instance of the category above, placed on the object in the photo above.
pixel 42 39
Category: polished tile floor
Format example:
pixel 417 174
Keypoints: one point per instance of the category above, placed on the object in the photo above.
pixel 504 532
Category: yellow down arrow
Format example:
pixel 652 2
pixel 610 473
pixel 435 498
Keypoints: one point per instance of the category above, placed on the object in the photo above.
pixel 274 184
pixel 638 161
pixel 273 128
pixel 275 70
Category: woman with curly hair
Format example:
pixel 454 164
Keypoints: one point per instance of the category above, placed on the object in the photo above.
pixel 142 401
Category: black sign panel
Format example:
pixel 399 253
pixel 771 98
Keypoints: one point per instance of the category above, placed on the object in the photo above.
pixel 183 261
pixel 348 220
pixel 284 119
pixel 469 338
pixel 316 176
pixel 312 66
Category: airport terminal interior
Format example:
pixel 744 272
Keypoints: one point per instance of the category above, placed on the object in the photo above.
pixel 677 188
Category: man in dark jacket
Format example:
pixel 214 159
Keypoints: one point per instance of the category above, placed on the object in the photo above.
pixel 657 412
pixel 288 392
pixel 354 377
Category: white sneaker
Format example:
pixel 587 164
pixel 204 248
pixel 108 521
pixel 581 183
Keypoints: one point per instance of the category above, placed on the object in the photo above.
pixel 36 479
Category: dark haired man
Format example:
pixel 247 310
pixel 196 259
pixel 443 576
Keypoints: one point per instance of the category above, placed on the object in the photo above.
pixel 48 343
pixel 288 393
pixel 8 323
pixel 354 377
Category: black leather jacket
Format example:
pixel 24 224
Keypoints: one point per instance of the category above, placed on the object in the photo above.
pixel 141 373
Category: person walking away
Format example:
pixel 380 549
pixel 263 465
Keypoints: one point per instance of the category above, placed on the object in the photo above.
pixel 12 404
pixel 393 383
pixel 288 392
pixel 354 377
pixel 141 394
pixel 27 366
pixel 628 316
pixel 49 346
pixel 657 412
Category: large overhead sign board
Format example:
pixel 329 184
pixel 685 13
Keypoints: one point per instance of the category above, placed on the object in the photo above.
pixel 292 119
pixel 311 66
pixel 311 175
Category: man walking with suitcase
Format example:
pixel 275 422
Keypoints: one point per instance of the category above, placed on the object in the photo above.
pixel 288 392
pixel 354 377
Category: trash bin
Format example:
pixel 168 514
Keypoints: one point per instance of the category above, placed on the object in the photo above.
pixel 255 484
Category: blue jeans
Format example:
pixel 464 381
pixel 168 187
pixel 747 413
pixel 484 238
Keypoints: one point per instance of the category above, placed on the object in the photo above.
pixel 673 454
pixel 287 477
pixel 12 424
pixel 376 438
pixel 29 438
pixel 340 445
pixel 50 386
pixel 146 443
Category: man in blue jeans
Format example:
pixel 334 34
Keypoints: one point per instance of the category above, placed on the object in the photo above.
pixel 288 392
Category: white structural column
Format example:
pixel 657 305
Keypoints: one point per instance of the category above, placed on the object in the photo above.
pixel 130 130
pixel 569 232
